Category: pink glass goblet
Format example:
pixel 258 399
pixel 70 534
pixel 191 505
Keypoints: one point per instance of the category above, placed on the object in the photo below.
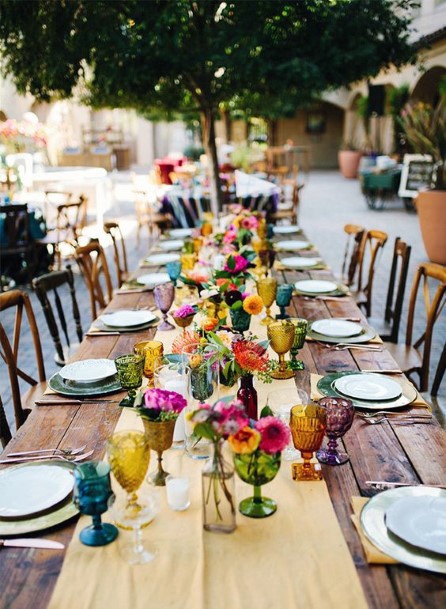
pixel 340 413
pixel 164 295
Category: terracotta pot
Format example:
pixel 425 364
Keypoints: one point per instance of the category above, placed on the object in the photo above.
pixel 349 162
pixel 431 208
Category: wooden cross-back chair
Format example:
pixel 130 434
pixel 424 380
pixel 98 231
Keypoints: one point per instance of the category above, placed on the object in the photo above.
pixel 146 215
pixel 119 251
pixel 48 287
pixel 288 206
pixel 408 355
pixel 388 328
pixel 439 373
pixel 371 247
pixel 13 349
pixel 5 431
pixel 17 249
pixel 350 264
pixel 94 268
pixel 68 224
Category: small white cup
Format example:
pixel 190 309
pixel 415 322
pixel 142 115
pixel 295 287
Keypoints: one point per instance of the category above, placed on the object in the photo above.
pixel 177 493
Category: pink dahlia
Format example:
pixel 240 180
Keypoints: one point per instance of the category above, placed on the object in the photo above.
pixel 163 400
pixel 275 434
pixel 238 265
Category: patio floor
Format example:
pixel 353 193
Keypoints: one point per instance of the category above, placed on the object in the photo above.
pixel 328 202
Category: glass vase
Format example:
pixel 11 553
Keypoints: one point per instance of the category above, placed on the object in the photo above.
pixel 218 493
pixel 257 468
pixel 247 394
pixel 240 320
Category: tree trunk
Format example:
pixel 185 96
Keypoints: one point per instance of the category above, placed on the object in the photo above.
pixel 272 132
pixel 207 120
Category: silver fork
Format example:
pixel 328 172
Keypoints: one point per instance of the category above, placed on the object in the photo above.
pixel 392 413
pixel 65 452
pixel 406 420
pixel 72 459
pixel 344 346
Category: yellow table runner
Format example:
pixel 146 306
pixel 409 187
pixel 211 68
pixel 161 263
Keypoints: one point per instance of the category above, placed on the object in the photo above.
pixel 296 558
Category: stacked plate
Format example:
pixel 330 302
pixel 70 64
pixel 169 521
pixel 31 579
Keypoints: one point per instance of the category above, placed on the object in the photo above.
pixel 333 330
pixel 86 378
pixel 180 233
pixel 168 246
pixel 126 320
pixel 314 287
pixel 152 279
pixel 298 262
pixel 288 229
pixel 35 496
pixel 161 259
pixel 409 525
pixel 292 246
pixel 368 390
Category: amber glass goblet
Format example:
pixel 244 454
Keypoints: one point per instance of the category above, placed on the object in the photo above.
pixel 281 337
pixel 340 413
pixel 267 289
pixel 152 350
pixel 307 423
pixel 299 341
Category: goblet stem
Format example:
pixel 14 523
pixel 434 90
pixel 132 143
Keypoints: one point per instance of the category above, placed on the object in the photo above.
pixel 282 365
pixel 257 494
pixel 159 479
pixel 97 522
pixel 137 539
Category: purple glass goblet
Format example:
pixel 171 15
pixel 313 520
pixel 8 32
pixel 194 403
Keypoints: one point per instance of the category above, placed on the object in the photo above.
pixel 340 413
pixel 164 295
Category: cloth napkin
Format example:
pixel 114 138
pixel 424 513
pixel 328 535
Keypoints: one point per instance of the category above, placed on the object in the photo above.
pixel 372 554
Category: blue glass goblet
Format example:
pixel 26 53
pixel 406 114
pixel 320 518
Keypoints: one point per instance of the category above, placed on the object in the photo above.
pixel 283 299
pixel 93 495
pixel 174 271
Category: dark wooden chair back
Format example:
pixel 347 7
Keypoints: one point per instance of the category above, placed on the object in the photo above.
pixel 119 251
pixel 427 273
pixel 439 373
pixel 372 244
pixel 93 265
pixel 48 285
pixel 398 279
pixel 17 246
pixel 10 348
pixel 352 252
pixel 5 431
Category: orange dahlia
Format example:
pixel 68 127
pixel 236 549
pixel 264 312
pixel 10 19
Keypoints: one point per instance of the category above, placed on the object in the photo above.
pixel 253 304
pixel 245 441
pixel 186 340
pixel 250 356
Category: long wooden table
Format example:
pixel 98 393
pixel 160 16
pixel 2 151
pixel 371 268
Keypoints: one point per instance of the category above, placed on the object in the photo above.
pixel 411 454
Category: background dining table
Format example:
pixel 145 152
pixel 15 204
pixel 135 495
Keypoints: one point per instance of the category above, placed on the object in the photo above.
pixel 413 454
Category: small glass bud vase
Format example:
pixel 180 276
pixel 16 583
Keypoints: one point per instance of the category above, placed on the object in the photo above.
pixel 218 493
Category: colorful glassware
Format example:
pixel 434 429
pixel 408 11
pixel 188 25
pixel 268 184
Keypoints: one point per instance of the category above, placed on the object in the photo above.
pixel 340 414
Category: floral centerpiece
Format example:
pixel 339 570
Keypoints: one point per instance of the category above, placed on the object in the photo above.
pixel 236 267
pixel 22 136
pixel 242 305
pixel 257 458
pixel 159 411
pixel 216 423
pixel 184 315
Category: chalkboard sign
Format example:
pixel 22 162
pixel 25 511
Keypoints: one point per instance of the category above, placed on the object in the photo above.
pixel 416 174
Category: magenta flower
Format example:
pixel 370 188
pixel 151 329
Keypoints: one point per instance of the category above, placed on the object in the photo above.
pixel 240 264
pixel 160 404
pixel 275 434
pixel 184 311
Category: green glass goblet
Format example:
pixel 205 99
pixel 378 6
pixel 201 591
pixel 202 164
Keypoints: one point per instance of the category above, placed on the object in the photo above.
pixel 130 371
pixel 257 468
pixel 299 341
pixel 283 299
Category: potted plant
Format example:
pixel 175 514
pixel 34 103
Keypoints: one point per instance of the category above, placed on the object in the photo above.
pixel 349 158
pixel 425 130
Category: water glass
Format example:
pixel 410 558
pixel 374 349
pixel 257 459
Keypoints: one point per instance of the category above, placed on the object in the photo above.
pixel 177 493
pixel 174 377
pixel 174 271
pixel 281 401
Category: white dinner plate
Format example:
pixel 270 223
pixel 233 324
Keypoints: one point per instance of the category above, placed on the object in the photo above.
pixel 175 244
pixel 160 259
pixel 127 319
pixel 88 370
pixel 153 279
pixel 293 246
pixel 287 229
pixel 298 262
pixel 180 232
pixel 340 328
pixel 313 286
pixel 32 489
pixel 421 521
pixel 371 387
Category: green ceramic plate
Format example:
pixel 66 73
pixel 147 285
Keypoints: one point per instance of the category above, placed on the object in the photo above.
pixel 367 334
pixel 70 388
pixel 43 520
pixel 373 523
pixel 325 386
pixel 101 327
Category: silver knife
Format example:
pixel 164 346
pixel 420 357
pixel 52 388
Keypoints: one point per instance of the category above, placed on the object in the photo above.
pixel 32 543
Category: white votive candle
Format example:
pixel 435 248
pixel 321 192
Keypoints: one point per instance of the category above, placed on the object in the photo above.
pixel 178 384
pixel 177 493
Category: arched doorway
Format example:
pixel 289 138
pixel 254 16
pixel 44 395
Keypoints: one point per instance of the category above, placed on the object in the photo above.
pixel 427 88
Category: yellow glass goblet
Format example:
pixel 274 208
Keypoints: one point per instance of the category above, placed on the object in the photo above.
pixel 281 336
pixel 129 456
pixel 153 352
pixel 307 423
pixel 267 289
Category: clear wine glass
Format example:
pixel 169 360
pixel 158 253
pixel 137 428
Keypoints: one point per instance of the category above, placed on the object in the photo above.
pixel 281 401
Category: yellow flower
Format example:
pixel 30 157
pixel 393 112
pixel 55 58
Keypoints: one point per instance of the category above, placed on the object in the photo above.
pixel 253 304
pixel 245 441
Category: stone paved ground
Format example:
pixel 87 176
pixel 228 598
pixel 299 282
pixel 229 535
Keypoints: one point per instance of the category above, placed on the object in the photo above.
pixel 328 202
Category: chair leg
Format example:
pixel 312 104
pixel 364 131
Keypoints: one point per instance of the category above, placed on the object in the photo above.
pixel 440 372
